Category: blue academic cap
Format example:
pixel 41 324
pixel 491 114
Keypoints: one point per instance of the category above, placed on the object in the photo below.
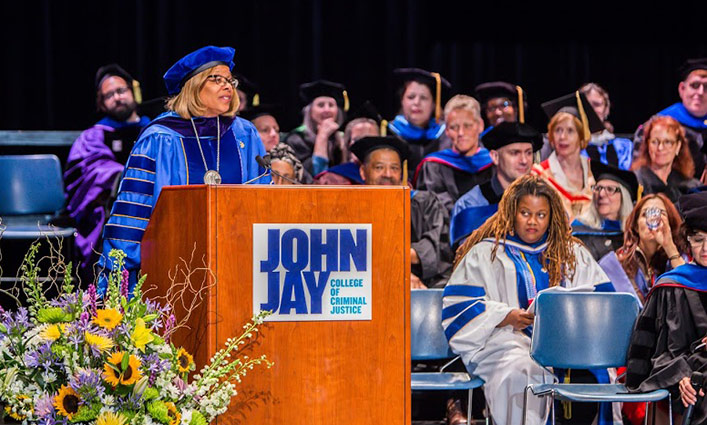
pixel 195 62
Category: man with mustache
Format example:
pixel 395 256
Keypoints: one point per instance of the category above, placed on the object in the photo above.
pixel 381 161
pixel 97 158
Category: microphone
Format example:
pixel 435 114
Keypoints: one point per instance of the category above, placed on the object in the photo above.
pixel 696 380
pixel 262 161
pixel 266 163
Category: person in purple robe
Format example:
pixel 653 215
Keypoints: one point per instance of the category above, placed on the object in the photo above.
pixel 97 158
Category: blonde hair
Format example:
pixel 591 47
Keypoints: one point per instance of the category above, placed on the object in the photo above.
pixel 562 117
pixel 187 103
pixel 464 102
pixel 591 216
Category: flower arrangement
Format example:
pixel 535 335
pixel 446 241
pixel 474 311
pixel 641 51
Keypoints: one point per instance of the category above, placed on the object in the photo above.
pixel 81 358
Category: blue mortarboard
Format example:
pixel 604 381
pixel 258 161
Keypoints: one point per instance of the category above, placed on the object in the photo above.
pixel 195 62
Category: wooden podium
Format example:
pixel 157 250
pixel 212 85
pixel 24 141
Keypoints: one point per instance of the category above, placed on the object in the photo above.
pixel 325 372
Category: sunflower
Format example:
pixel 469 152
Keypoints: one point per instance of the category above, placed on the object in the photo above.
pixel 114 374
pixel 110 418
pixel 53 332
pixel 67 402
pixel 174 416
pixel 98 342
pixel 14 415
pixel 184 360
pixel 107 318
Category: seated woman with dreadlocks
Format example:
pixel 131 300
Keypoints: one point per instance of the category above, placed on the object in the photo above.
pixel 527 246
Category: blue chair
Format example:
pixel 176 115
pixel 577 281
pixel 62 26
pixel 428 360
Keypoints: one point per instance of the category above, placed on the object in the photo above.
pixel 428 342
pixel 31 193
pixel 585 331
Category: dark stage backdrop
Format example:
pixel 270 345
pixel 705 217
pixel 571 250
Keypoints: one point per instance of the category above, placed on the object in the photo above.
pixel 51 50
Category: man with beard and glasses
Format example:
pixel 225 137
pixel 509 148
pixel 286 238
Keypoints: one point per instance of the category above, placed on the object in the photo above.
pixel 381 161
pixel 97 158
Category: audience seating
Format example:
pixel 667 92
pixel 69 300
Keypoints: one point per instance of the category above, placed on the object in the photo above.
pixel 585 331
pixel 429 343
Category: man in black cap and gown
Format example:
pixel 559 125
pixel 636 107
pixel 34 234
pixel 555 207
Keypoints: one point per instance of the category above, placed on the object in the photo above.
pixel 382 161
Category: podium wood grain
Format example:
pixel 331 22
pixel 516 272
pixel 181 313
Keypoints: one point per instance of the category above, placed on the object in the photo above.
pixel 353 372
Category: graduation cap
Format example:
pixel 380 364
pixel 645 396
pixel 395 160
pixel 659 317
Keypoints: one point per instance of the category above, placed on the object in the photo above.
pixel 115 70
pixel 578 105
pixel 365 145
pixel 693 208
pixel 433 80
pixel 494 89
pixel 312 90
pixel 368 110
pixel 691 65
pixel 507 132
pixel 260 110
pixel 249 88
pixel 194 63
pixel 625 178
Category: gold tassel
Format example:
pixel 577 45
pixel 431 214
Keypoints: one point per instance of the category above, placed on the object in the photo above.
pixel 137 93
pixel 405 173
pixel 521 106
pixel 639 195
pixel 567 405
pixel 256 100
pixel 583 117
pixel 438 96
pixel 384 128
pixel 346 101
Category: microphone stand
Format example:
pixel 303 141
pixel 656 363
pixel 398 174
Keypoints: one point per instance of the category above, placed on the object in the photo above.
pixel 266 164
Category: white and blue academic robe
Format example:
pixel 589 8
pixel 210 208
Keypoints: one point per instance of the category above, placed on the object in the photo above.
pixel 480 294
pixel 167 154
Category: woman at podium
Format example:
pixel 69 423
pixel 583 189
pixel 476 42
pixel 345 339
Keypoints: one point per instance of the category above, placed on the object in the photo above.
pixel 524 248
pixel 199 140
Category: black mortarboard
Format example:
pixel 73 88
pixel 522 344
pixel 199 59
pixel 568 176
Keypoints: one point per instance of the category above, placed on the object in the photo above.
pixel 691 65
pixel 368 110
pixel 365 145
pixel 623 177
pixel 249 88
pixel 507 132
pixel 438 85
pixel 260 110
pixel 576 104
pixel 115 70
pixel 493 89
pixel 693 208
pixel 195 62
pixel 310 91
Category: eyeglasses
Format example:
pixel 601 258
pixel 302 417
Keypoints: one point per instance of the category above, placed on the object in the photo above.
pixel 668 143
pixel 119 91
pixel 611 190
pixel 503 105
pixel 222 81
pixel 695 85
pixel 697 241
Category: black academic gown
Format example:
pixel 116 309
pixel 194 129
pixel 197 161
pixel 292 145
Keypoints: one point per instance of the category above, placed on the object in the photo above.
pixel 676 186
pixel 671 324
pixel 429 237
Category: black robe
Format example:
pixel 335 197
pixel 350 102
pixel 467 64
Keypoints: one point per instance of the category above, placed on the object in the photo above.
pixel 670 326
pixel 429 237
pixel 676 187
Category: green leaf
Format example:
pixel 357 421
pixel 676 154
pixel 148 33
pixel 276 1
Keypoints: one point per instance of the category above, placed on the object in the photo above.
pixel 150 317
pixel 53 315
pixel 124 363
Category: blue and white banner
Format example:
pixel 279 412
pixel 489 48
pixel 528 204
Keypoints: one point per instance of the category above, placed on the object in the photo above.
pixel 308 272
